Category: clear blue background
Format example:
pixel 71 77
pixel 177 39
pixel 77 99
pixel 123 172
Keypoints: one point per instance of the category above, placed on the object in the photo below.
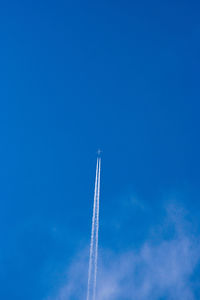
pixel 76 76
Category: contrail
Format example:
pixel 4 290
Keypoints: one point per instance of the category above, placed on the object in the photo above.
pixel 92 272
pixel 92 235
pixel 97 232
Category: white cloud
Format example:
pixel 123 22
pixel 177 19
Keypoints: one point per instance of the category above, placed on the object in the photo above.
pixel 161 269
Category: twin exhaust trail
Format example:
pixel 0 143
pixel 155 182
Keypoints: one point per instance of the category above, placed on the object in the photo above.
pixel 92 272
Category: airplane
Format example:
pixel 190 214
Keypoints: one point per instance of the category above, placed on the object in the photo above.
pixel 99 152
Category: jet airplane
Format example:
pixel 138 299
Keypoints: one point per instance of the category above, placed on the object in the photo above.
pixel 99 152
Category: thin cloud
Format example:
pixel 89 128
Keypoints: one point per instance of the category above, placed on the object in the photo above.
pixel 161 269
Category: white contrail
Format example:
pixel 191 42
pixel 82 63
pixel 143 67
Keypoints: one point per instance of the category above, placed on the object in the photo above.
pixel 93 236
pixel 97 231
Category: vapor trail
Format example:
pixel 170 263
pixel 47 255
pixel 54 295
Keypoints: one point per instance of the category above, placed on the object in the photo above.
pixel 91 258
pixel 97 231
pixel 92 272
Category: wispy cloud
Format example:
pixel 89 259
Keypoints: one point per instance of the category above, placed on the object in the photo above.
pixel 161 269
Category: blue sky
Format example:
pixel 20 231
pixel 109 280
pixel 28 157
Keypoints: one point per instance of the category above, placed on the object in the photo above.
pixel 76 76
